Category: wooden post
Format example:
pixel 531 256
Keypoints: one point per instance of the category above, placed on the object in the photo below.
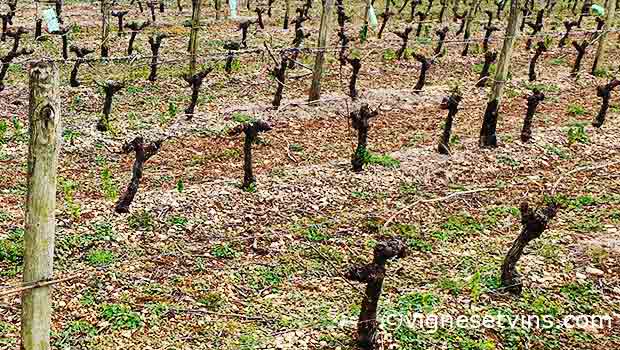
pixel 193 39
pixel 487 132
pixel 218 9
pixel 44 115
pixel 471 16
pixel 315 89
pixel 105 28
pixel 602 37
pixel 287 13
pixel 368 5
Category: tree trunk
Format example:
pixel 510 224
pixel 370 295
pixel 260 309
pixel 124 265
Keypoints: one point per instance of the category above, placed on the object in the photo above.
pixel 315 89
pixel 44 115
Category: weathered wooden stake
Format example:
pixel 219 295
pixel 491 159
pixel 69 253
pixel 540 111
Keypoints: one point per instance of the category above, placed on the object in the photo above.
pixel 489 58
pixel 602 37
pixel 105 28
pixel 193 37
pixel 488 137
pixel 40 224
pixel 315 89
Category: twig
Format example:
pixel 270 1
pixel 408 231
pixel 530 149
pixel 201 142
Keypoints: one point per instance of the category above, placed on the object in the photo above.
pixel 579 170
pixel 455 194
pixel 340 274
pixel 39 284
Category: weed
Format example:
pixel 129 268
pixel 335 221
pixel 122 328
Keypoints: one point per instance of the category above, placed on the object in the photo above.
pixel 315 232
pixel 134 90
pixel 418 302
pixel 178 221
pixel 121 316
pixel 180 186
pixel 598 255
pixel 560 61
pixel 103 231
pixel 408 188
pixel 223 251
pixel 508 161
pixel 100 257
pixel 588 224
pixel 547 88
pixel 413 237
pixel 249 189
pixel 141 219
pixel 379 159
pixel 4 216
pixel 478 68
pixel 582 296
pixel 551 149
pixel 12 247
pixel 68 189
pixel 360 195
pixel 496 214
pixel 108 185
pixel 453 286
pixel 211 300
pixel 389 55
pixel 242 118
pixel 158 309
pixel 576 110
pixel 74 331
pixel 69 136
pixel 577 134
pixel 296 147
pixel 458 226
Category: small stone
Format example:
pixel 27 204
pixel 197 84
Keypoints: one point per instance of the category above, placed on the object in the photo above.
pixel 580 276
pixel 594 271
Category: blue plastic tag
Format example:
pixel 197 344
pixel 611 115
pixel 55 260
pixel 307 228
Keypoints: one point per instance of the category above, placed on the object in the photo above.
pixel 52 21
pixel 233 8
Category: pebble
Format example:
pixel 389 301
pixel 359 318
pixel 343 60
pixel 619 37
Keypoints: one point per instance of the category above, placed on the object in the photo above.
pixel 594 271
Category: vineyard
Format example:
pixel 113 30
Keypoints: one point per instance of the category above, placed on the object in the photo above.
pixel 306 174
